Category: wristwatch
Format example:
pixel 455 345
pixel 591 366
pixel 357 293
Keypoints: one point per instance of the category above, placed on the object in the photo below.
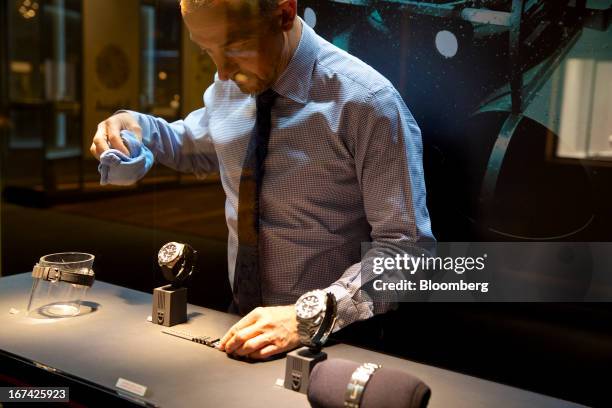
pixel 55 274
pixel 316 313
pixel 177 262
pixel 359 380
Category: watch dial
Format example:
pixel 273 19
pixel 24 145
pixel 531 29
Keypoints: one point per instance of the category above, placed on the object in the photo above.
pixel 167 253
pixel 309 307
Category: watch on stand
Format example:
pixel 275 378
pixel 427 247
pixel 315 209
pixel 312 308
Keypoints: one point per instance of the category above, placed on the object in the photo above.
pixel 177 262
pixel 316 313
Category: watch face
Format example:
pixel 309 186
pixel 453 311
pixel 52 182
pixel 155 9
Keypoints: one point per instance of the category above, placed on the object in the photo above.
pixel 168 253
pixel 309 306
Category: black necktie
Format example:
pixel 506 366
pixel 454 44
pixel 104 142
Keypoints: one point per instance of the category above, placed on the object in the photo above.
pixel 247 281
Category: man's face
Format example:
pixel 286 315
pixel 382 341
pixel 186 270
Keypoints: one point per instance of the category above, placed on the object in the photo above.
pixel 244 46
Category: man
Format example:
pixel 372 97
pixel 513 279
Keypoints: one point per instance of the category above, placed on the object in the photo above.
pixel 343 162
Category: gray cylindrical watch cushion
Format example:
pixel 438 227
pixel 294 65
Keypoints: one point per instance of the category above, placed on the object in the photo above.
pixel 387 387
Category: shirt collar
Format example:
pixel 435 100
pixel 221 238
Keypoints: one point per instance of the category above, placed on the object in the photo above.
pixel 294 82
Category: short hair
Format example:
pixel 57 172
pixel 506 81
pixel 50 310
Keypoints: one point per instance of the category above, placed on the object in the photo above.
pixel 265 6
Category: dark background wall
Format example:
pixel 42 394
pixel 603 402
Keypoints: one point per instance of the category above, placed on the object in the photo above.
pixel 463 91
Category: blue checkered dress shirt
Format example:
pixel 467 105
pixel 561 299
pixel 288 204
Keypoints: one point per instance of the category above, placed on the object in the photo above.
pixel 344 166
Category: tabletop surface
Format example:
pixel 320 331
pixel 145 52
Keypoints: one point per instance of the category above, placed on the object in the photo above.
pixel 116 340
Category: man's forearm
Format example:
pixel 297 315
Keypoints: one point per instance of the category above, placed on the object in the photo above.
pixel 174 145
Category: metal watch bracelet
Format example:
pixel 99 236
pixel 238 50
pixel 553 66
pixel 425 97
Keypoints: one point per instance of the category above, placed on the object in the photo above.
pixel 315 335
pixel 356 387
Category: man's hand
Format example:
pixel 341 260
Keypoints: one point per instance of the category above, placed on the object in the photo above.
pixel 262 333
pixel 108 133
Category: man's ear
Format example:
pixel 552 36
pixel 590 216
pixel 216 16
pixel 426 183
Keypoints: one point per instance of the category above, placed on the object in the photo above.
pixel 287 10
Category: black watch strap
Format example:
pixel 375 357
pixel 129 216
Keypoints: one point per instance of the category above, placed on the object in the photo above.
pixel 55 274
pixel 328 323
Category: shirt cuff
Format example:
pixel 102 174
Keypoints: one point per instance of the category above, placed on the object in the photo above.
pixel 349 310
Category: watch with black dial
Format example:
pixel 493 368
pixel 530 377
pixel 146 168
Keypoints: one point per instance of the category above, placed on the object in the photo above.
pixel 316 313
pixel 177 262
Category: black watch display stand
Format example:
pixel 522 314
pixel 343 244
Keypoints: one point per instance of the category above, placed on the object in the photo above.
pixel 169 305
pixel 299 365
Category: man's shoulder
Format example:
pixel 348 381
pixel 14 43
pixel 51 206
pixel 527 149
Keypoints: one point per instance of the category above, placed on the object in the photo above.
pixel 337 71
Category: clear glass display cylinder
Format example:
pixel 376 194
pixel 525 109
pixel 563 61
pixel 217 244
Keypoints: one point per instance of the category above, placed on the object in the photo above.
pixel 56 298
